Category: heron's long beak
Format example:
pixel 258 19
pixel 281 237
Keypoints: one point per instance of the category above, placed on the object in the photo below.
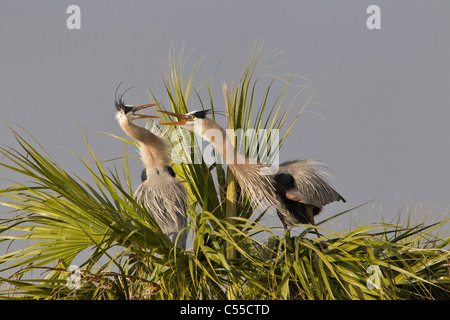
pixel 179 116
pixel 146 106
pixel 143 116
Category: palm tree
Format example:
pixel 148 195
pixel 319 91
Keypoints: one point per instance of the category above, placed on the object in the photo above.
pixel 59 217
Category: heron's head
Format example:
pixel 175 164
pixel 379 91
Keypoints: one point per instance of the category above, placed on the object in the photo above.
pixel 193 121
pixel 128 112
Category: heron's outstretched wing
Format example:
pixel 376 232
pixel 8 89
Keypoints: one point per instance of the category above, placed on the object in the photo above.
pixel 310 186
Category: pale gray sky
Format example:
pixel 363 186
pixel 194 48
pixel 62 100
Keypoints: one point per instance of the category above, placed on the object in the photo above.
pixel 383 100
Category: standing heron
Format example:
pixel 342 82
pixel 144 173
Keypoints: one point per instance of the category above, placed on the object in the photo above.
pixel 160 192
pixel 298 190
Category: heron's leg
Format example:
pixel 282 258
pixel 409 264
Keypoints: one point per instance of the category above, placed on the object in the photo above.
pixel 309 212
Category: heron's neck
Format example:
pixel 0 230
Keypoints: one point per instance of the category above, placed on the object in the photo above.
pixel 154 151
pixel 219 139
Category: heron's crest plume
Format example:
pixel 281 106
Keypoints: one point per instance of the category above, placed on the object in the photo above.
pixel 120 103
pixel 201 114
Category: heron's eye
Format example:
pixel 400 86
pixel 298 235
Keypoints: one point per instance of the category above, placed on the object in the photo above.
pixel 191 117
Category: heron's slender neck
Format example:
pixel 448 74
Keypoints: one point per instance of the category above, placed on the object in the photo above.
pixel 154 151
pixel 219 139
pixel 247 172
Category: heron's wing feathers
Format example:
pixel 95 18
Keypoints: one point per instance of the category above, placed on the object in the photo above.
pixel 311 187
pixel 164 198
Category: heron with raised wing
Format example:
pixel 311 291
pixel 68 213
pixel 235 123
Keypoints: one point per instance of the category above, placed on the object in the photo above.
pixel 298 189
pixel 160 192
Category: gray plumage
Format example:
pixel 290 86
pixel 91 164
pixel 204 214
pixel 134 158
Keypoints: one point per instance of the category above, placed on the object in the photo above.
pixel 165 199
pixel 300 186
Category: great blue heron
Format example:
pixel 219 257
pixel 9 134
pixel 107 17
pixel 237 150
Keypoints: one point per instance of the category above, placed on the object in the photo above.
pixel 160 192
pixel 298 189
